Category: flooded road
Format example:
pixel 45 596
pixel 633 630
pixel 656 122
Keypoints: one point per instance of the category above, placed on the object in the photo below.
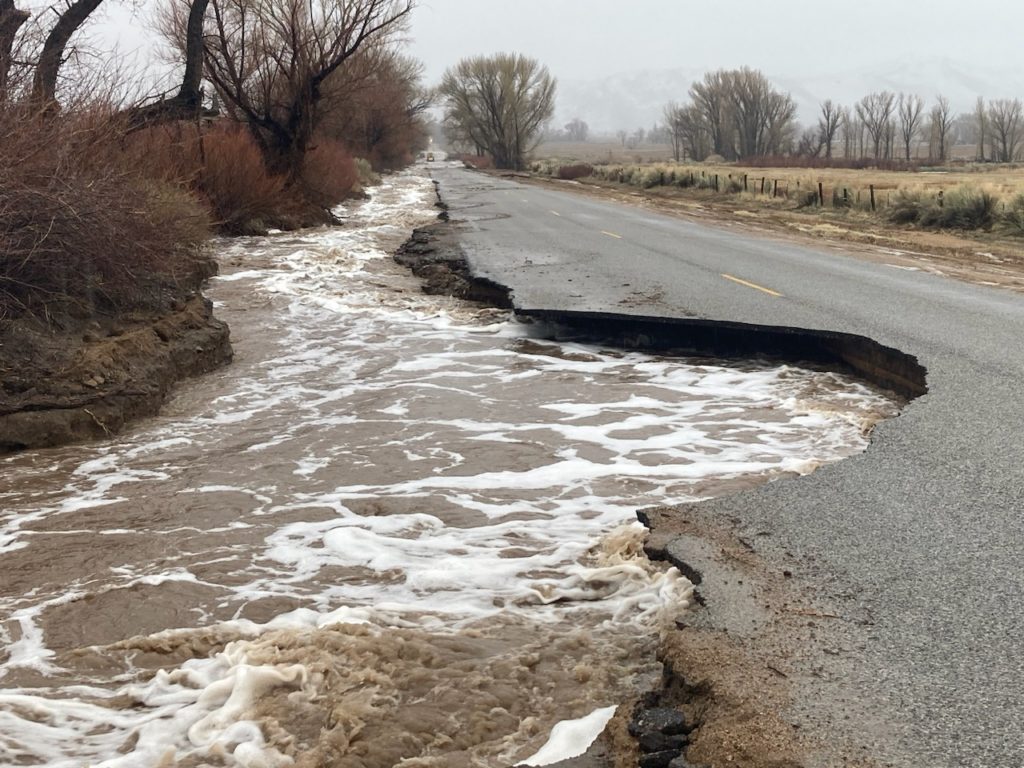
pixel 398 530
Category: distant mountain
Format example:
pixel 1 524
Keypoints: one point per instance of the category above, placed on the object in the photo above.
pixel 632 100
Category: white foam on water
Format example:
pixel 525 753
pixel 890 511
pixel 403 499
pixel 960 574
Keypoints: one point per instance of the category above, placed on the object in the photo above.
pixel 389 460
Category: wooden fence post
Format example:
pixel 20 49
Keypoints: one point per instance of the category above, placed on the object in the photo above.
pixel 872 187
pixel 821 194
pixel 744 182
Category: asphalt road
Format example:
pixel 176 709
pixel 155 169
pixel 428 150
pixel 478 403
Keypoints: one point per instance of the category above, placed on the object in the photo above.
pixel 923 535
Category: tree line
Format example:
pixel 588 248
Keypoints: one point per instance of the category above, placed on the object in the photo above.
pixel 887 126
pixel 281 108
pixel 738 113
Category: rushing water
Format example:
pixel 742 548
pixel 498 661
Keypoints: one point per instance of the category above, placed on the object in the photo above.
pixel 398 530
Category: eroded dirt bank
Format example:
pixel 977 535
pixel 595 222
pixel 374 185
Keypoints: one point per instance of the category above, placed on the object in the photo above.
pixel 72 380
pixel 726 695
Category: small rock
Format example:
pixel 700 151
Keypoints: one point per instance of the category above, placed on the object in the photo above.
pixel 90 337
pixel 658 759
pixel 652 741
pixel 91 382
pixel 659 719
pixel 99 379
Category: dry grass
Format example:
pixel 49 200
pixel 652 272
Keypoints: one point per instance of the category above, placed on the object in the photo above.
pixel 1002 181
pixel 82 227
pixel 221 164
pixel 594 152
pixel 1000 186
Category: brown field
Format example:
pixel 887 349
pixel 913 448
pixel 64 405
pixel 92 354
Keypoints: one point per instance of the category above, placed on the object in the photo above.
pixel 603 152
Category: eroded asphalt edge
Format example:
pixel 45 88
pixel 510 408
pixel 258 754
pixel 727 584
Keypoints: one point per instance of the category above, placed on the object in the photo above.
pixel 905 677
pixel 704 702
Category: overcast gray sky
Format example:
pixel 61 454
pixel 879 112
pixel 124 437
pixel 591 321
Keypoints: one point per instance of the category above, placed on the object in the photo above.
pixel 638 54
pixel 593 38
pixel 814 49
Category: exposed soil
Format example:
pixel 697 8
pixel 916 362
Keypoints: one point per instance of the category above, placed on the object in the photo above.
pixel 68 380
pixel 434 255
pixel 983 258
pixel 736 664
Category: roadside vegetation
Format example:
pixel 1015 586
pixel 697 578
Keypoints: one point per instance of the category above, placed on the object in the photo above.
pixel 283 111
pixel 890 157
pixel 968 198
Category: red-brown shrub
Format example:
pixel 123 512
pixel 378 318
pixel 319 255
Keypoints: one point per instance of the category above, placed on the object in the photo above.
pixel 480 162
pixel 234 180
pixel 572 172
pixel 81 226
pixel 329 174
pixel 222 165
pixel 846 163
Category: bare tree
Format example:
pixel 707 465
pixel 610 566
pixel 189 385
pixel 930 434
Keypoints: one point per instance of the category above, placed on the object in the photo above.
pixel 762 117
pixel 743 113
pixel 809 144
pixel 875 112
pixel 848 128
pixel 828 125
pixel 911 113
pixel 942 121
pixel 696 132
pixel 1004 117
pixel 711 97
pixel 11 20
pixel 500 102
pixel 622 135
pixel 674 124
pixel 375 104
pixel 981 124
pixel 187 32
pixel 577 130
pixel 51 57
pixel 269 62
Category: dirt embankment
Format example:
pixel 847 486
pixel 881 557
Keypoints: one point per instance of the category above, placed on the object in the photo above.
pixel 71 379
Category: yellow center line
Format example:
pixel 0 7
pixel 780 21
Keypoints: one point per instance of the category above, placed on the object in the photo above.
pixel 556 213
pixel 755 286
pixel 611 234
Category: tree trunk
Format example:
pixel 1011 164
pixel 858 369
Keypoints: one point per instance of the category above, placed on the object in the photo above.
pixel 44 84
pixel 189 95
pixel 11 20
pixel 187 104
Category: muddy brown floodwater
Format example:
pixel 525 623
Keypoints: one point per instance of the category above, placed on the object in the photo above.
pixel 399 530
